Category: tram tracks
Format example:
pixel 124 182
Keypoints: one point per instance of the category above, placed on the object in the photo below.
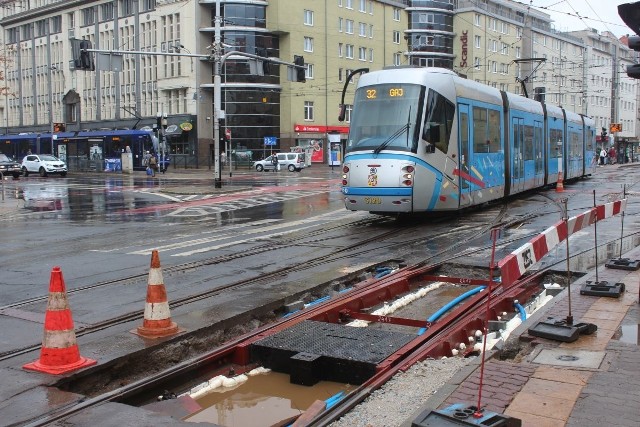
pixel 361 393
pixel 465 235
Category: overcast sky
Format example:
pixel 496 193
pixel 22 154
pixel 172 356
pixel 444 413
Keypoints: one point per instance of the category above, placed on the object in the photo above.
pixel 599 14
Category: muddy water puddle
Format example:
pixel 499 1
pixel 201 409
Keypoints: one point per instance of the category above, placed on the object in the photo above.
pixel 270 399
pixel 263 400
pixel 629 334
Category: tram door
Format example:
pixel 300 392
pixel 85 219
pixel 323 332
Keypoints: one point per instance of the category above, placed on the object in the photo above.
pixel 517 155
pixel 464 139
pixel 538 153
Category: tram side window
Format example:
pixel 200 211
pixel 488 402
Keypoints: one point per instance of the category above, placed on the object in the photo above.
pixel 438 121
pixel 590 140
pixel 528 142
pixel 555 136
pixel 486 130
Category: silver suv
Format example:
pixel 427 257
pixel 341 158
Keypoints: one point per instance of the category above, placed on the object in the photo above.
pixel 289 161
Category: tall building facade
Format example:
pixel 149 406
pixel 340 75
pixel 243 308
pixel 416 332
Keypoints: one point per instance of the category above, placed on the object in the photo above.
pixel 430 35
pixel 503 43
pixel 336 37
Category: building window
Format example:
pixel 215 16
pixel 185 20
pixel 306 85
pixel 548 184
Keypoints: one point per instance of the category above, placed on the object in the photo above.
pixel 348 4
pixel 370 31
pixel 370 54
pixel 308 17
pixel 339 74
pixel 363 29
pixel 340 46
pixel 308 110
pixel 397 58
pixel 517 51
pixel 426 18
pixel 340 25
pixel 126 8
pixel 106 12
pixel 476 63
pixel 476 20
pixel 396 14
pixel 362 54
pixel 348 109
pixel 308 44
pixel 363 6
pixel 396 37
pixel 349 51
pixel 349 28
pixel 477 41
pixel 88 16
pixel 309 71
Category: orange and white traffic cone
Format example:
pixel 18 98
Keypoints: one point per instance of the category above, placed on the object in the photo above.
pixel 59 353
pixel 157 318
pixel 559 184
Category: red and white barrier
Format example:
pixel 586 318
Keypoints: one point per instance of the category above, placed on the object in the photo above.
pixel 514 265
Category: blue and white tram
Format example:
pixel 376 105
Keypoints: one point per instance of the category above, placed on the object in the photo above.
pixel 425 139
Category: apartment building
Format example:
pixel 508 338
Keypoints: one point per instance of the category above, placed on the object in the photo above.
pixel 335 37
pixel 502 43
pixel 612 97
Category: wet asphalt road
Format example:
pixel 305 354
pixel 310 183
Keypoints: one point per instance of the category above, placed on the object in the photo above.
pixel 100 228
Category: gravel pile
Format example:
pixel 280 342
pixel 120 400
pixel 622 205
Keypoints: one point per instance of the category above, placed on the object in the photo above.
pixel 398 399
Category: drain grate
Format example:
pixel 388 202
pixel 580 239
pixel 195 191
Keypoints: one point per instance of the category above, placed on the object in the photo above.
pixel 568 358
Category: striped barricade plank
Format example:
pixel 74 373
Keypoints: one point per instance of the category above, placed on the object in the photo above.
pixel 514 265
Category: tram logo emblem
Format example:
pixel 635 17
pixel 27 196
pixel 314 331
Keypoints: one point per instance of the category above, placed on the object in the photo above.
pixel 373 177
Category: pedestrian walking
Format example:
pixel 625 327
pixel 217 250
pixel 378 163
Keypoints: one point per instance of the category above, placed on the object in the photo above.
pixel 274 161
pixel 153 164
pixel 612 155
pixel 603 156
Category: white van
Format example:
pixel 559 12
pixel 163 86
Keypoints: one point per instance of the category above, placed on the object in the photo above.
pixel 290 161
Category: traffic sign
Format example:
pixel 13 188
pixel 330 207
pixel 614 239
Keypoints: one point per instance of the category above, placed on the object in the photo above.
pixel 270 140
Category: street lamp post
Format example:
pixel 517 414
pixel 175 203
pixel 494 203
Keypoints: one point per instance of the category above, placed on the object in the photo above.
pixel 217 103
pixel 161 123
pixel 50 69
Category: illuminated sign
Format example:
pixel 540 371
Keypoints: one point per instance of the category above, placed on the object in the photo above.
pixel 463 56
pixel 615 127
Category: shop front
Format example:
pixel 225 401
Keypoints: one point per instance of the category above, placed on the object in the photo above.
pixel 321 144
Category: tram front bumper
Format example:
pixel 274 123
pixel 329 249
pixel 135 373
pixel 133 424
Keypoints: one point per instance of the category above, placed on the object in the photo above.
pixel 396 200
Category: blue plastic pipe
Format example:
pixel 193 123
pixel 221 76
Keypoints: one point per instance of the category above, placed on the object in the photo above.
pixel 334 399
pixel 383 272
pixel 435 316
pixel 523 313
pixel 318 301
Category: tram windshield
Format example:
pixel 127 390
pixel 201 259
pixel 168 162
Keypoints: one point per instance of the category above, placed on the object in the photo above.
pixel 386 116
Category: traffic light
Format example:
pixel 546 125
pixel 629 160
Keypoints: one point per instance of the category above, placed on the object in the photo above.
pixel 603 135
pixel 86 58
pixel 301 73
pixel 633 71
pixel 82 60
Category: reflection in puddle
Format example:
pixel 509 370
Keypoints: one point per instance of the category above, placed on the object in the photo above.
pixel 262 401
pixel 629 334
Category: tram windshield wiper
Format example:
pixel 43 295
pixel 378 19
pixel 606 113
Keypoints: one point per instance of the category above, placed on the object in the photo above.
pixel 395 135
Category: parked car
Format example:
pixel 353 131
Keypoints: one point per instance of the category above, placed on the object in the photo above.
pixel 43 164
pixel 9 167
pixel 289 161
